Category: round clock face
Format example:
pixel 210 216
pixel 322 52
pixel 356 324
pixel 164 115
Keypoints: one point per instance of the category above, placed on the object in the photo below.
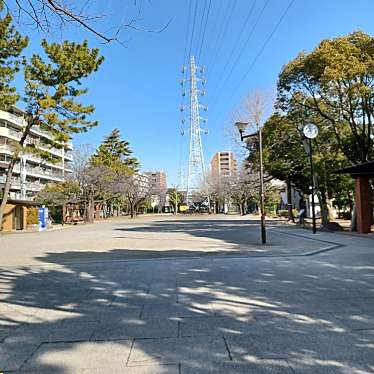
pixel 310 130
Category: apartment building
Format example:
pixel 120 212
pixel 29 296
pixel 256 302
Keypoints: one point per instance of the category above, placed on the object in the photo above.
pixel 157 180
pixel 142 180
pixel 223 164
pixel 31 173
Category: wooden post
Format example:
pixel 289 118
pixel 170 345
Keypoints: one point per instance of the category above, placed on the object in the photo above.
pixel 363 204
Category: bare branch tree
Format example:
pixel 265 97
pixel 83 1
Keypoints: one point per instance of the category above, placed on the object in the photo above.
pixel 48 15
pixel 135 192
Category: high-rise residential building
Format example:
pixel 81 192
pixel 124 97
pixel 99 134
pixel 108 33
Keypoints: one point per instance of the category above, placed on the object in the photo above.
pixel 157 180
pixel 143 182
pixel 31 173
pixel 223 164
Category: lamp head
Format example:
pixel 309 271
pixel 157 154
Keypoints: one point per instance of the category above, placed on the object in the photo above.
pixel 241 126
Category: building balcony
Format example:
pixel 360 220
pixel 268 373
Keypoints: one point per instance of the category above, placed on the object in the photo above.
pixel 6 149
pixel 13 119
pixel 15 184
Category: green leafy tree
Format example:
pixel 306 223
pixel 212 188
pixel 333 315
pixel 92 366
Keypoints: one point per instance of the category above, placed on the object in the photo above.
pixel 282 137
pixel 56 195
pixel 336 82
pixel 51 93
pixel 286 157
pixel 175 198
pixel 11 47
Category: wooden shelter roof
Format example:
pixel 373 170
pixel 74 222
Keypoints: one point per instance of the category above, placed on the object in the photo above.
pixel 359 170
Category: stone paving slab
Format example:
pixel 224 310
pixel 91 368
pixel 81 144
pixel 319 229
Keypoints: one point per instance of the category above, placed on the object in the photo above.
pixel 364 304
pixel 152 369
pixel 218 326
pixel 107 312
pixel 174 311
pixel 307 364
pixel 141 298
pixel 36 314
pixel 328 305
pixel 256 367
pixel 355 321
pixel 308 323
pixel 14 354
pixel 71 357
pixel 178 350
pixel 136 328
pixel 59 332
pixel 327 346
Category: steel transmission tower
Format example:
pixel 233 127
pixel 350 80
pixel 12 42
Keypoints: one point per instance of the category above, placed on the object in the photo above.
pixel 196 166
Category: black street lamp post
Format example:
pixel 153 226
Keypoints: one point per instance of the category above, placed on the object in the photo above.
pixel 311 131
pixel 241 126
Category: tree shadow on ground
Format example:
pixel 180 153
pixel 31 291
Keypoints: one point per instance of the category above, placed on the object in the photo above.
pixel 232 235
pixel 186 316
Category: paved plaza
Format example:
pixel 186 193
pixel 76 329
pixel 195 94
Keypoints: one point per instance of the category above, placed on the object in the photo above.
pixel 186 295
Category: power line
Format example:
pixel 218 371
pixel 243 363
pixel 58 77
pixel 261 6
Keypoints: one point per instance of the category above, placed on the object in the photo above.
pixel 222 34
pixel 261 50
pixel 187 32
pixel 243 48
pixel 266 42
pixel 193 27
pixel 203 37
pixel 201 27
pixel 241 32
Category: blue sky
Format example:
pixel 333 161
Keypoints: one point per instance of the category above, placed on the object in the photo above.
pixel 138 87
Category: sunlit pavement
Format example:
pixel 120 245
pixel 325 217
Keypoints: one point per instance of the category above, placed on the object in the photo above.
pixel 186 295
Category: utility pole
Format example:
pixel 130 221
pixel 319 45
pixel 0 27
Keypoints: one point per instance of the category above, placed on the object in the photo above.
pixel 262 196
pixel 196 167
pixel 176 201
pixel 241 126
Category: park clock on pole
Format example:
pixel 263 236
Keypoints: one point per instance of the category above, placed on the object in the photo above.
pixel 310 130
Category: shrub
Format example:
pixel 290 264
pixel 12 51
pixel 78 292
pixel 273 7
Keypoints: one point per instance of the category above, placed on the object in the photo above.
pixel 283 213
pixel 55 213
pixel 32 216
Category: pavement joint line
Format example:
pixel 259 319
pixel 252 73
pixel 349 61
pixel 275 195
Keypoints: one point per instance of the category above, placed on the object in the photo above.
pixel 227 347
pixel 305 237
pixel 130 351
pixel 290 366
pixel 333 245
pixel 31 354
pixel 141 312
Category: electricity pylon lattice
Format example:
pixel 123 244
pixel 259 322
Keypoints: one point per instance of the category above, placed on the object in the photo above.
pixel 196 165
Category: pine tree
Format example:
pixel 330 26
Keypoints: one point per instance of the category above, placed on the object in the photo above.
pixel 51 93
pixel 115 153
pixel 11 47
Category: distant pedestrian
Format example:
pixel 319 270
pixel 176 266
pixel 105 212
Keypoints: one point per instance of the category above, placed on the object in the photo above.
pixel 302 212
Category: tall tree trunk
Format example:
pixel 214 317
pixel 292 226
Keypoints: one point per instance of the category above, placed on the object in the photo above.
pixel 324 209
pixel 330 209
pixel 242 208
pixel 90 209
pixel 353 226
pixel 8 182
pixel 289 201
